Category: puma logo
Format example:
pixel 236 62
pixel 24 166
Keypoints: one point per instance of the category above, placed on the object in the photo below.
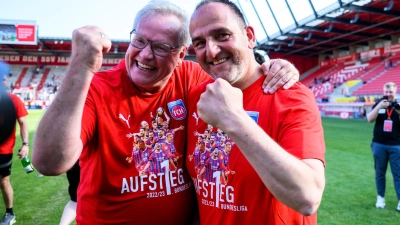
pixel 126 120
pixel 196 117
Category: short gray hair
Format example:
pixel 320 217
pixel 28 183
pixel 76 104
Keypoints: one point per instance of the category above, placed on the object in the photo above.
pixel 389 85
pixel 167 8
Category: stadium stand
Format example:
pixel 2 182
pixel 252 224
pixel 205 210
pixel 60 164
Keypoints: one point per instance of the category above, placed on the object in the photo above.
pixel 43 79
pixel 375 84
pixel 342 50
pixel 21 76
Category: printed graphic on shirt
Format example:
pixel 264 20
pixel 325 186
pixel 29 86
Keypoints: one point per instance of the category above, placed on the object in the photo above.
pixel 125 120
pixel 210 159
pixel 155 158
pixel 177 109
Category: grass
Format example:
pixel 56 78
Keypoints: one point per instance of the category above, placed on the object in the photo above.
pixel 37 200
pixel 349 197
pixel 350 193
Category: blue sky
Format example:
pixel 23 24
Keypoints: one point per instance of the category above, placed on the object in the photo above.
pixel 57 18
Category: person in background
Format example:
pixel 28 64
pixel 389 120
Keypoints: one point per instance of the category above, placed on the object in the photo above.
pixel 385 144
pixel 6 156
pixel 274 173
pixel 94 114
pixel 7 109
pixel 69 213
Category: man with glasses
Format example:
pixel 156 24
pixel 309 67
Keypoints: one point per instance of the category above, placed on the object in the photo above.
pixel 94 111
pixel 159 49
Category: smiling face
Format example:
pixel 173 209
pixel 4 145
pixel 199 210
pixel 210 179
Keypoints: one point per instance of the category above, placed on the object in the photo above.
pixel 149 72
pixel 170 137
pixel 222 141
pixel 158 147
pixel 228 147
pixel 223 44
pixel 212 139
pixel 161 133
pixel 165 125
pixel 160 120
pixel 142 145
pixel 390 90
pixel 154 125
pixel 144 124
pixel 202 146
pixel 215 152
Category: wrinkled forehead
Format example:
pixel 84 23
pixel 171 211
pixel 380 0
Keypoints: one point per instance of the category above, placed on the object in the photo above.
pixel 211 10
pixel 213 13
pixel 157 23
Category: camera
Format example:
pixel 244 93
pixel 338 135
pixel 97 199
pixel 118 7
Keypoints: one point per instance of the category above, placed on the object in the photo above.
pixel 395 105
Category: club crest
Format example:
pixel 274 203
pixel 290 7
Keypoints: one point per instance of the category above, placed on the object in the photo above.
pixel 253 115
pixel 177 109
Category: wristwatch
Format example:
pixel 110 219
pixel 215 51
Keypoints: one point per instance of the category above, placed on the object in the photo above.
pixel 25 143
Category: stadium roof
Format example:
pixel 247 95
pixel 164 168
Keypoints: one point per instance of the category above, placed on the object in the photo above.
pixel 313 27
pixel 291 27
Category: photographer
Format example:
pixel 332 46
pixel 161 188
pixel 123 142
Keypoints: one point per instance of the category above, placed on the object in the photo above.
pixel 386 141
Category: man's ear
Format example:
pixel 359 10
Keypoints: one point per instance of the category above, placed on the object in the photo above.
pixel 251 36
pixel 182 55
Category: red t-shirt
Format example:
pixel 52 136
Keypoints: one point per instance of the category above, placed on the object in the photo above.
pixel 237 195
pixel 111 189
pixel 20 110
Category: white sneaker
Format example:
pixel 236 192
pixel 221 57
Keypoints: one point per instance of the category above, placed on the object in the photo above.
pixel 8 219
pixel 398 206
pixel 380 202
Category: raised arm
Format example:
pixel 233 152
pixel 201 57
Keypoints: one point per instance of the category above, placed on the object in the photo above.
pixel 57 143
pixel 167 118
pixel 297 183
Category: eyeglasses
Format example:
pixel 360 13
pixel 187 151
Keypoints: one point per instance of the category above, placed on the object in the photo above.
pixel 157 48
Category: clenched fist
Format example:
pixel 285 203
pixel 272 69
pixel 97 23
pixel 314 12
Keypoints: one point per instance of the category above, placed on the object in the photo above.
pixel 88 45
pixel 220 104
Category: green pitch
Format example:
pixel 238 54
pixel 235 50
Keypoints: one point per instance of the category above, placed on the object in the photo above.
pixel 37 200
pixel 349 197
